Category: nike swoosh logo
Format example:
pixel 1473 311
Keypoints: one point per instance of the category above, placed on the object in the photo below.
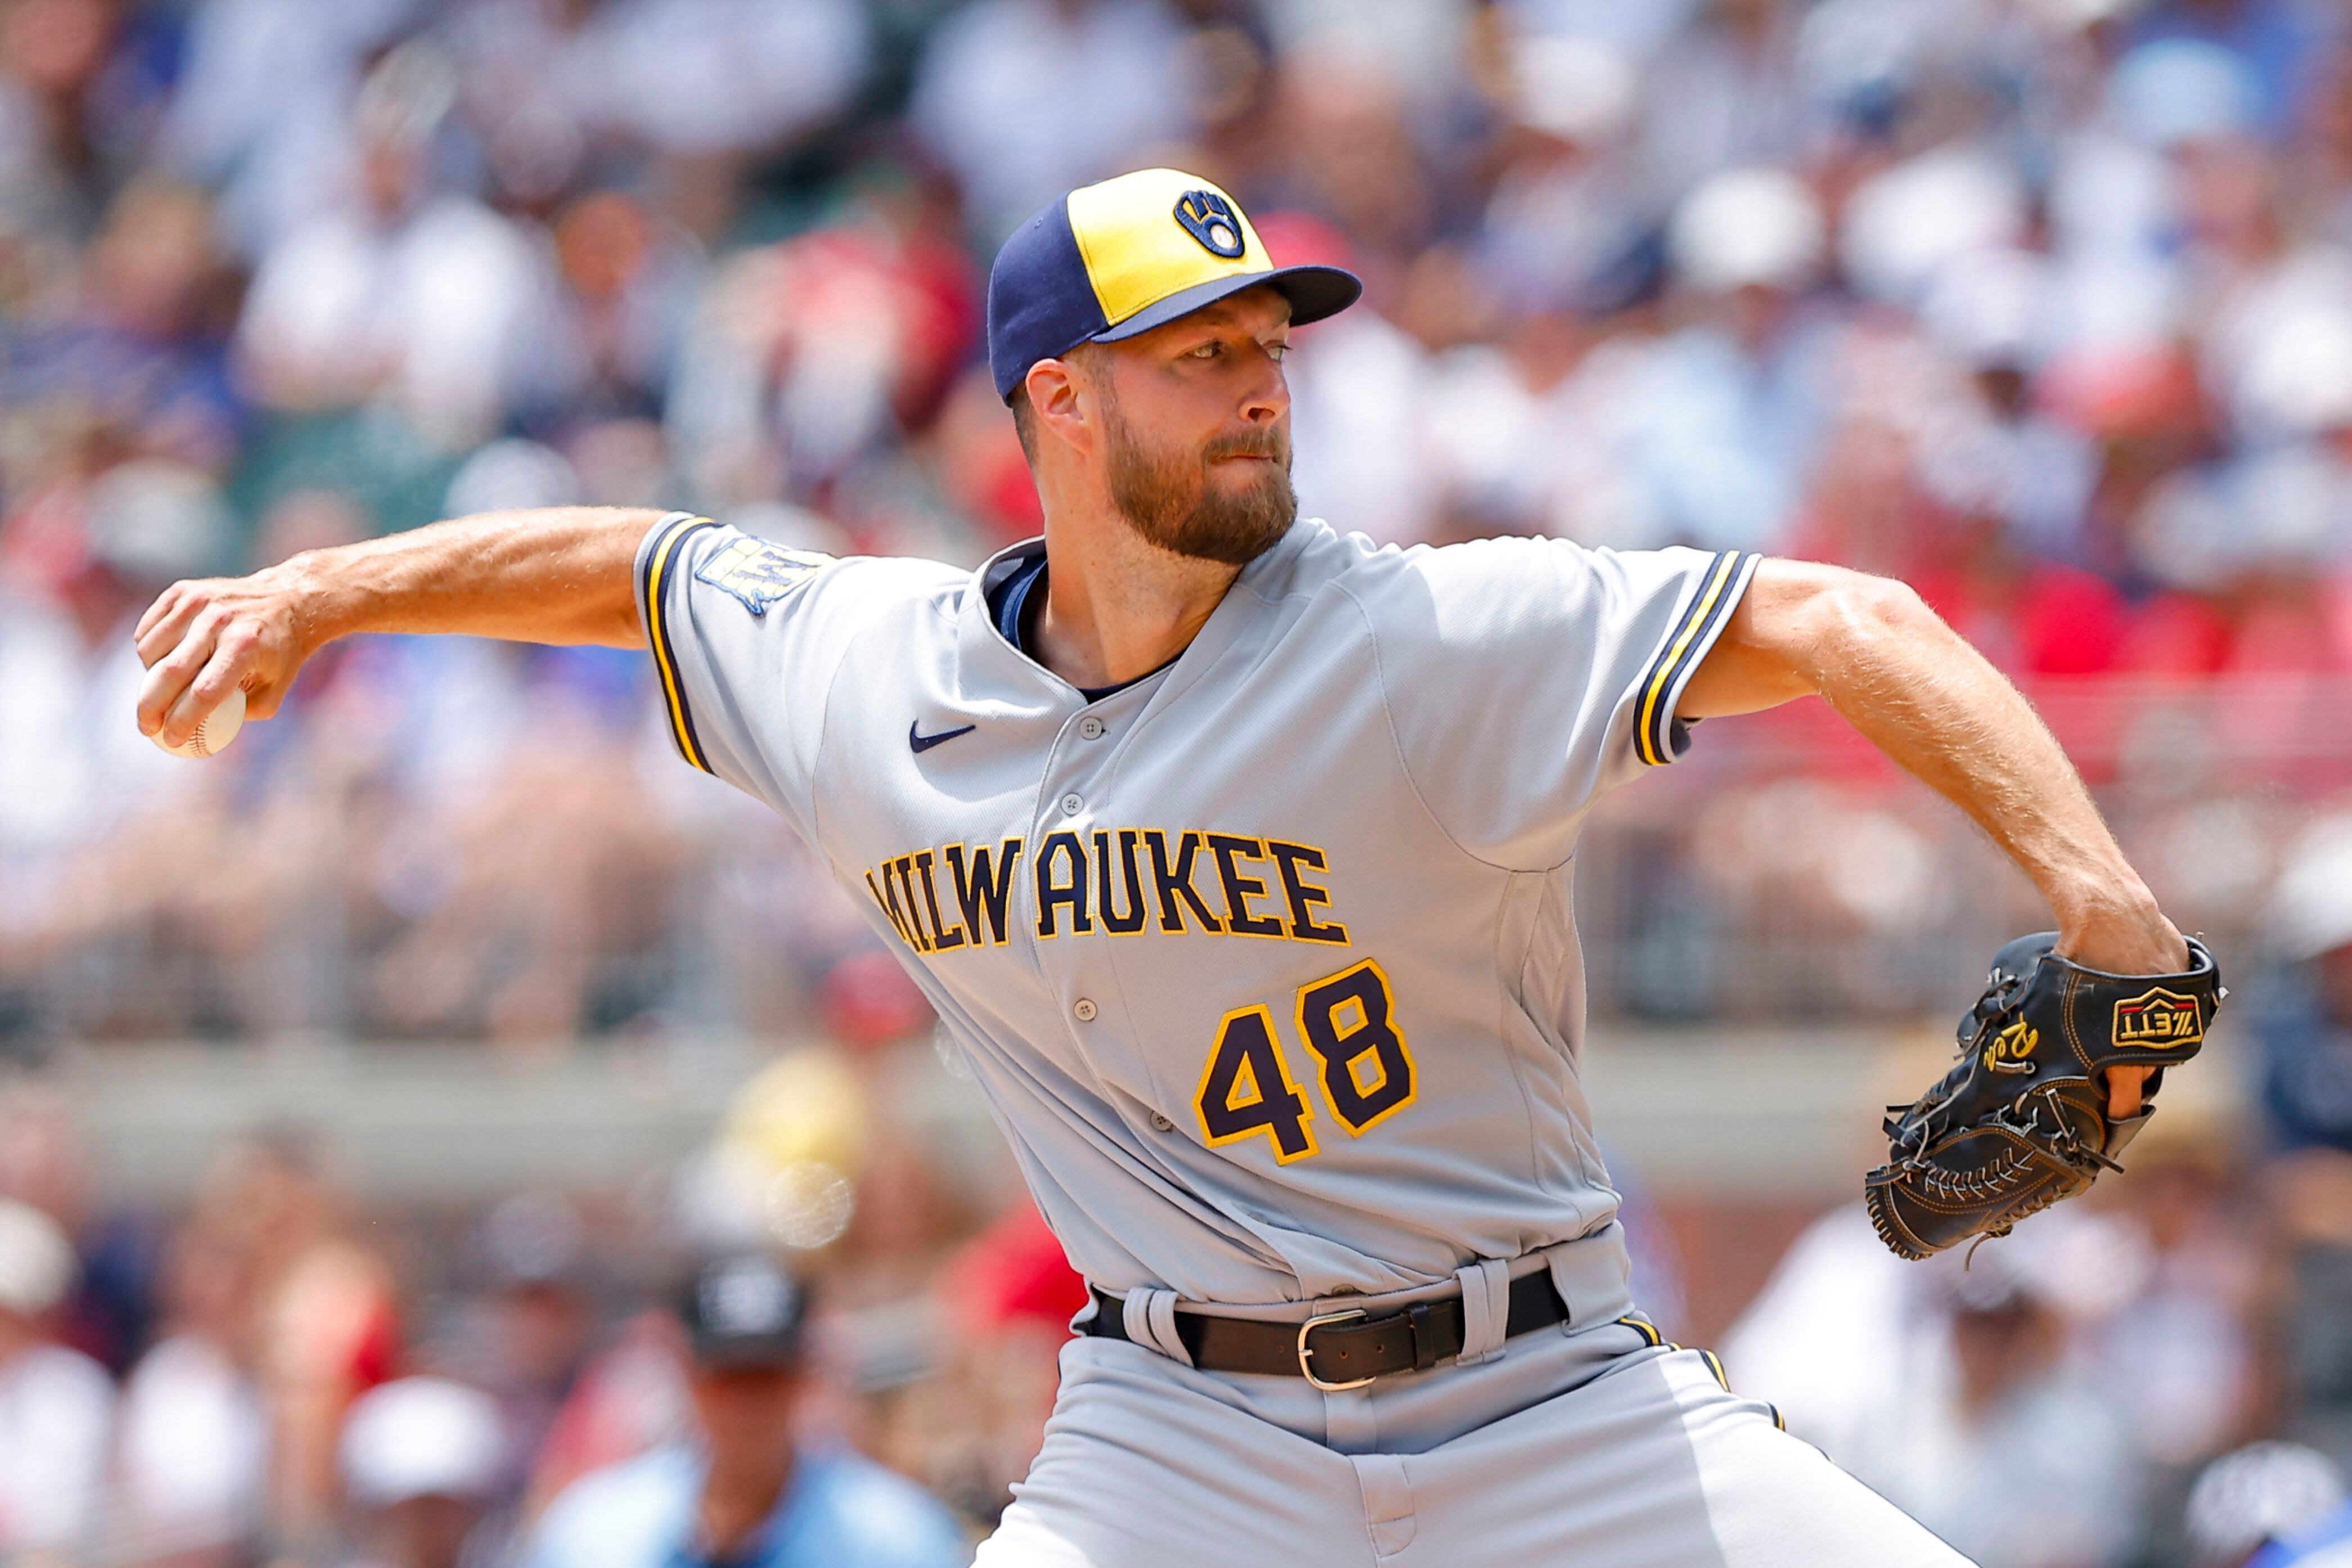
pixel 923 742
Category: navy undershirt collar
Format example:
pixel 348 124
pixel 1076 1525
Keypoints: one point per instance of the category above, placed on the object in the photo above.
pixel 1008 602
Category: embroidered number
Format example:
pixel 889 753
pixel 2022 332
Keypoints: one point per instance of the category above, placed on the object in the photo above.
pixel 1246 1089
pixel 1349 1022
pixel 1367 1066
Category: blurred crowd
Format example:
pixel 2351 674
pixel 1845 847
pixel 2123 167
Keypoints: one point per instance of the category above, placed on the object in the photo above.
pixel 2042 305
pixel 819 1340
pixel 2045 305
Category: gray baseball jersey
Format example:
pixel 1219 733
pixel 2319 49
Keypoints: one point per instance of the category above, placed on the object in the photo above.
pixel 1266 961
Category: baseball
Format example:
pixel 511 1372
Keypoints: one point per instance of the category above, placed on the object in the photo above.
pixel 219 728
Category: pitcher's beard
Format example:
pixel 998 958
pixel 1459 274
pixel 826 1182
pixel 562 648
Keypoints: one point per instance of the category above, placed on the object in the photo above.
pixel 1167 497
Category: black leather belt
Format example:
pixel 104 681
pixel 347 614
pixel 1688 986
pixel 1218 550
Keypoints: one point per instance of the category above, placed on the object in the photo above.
pixel 1344 1349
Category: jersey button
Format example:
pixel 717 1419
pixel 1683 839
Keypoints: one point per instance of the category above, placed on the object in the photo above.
pixel 1160 1123
pixel 1071 803
pixel 1090 728
pixel 1086 1009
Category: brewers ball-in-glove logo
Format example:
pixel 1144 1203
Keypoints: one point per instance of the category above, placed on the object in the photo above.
pixel 2020 1121
pixel 759 573
pixel 1209 219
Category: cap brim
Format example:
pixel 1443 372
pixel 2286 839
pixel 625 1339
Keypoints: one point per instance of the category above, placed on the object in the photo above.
pixel 1314 292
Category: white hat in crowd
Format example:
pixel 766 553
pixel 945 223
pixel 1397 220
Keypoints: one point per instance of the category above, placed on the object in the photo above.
pixel 36 1262
pixel 1579 90
pixel 1992 307
pixel 1904 223
pixel 1748 227
pixel 422 1436
pixel 2311 909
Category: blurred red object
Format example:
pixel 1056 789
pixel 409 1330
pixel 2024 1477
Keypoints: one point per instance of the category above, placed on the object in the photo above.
pixel 1295 239
pixel 868 999
pixel 2070 622
pixel 2176 635
pixel 904 288
pixel 2120 393
pixel 1012 1270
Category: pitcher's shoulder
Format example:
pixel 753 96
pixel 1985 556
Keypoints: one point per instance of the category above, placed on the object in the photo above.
pixel 1422 582
pixel 1315 557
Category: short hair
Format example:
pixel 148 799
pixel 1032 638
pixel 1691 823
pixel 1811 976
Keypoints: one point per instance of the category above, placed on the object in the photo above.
pixel 1025 422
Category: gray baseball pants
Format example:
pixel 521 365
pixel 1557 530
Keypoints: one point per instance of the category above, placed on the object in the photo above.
pixel 1587 1446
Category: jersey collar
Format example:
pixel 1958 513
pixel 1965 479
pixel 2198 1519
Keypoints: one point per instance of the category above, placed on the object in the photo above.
pixel 985 657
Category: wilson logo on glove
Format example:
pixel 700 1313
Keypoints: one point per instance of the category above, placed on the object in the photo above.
pixel 2160 1019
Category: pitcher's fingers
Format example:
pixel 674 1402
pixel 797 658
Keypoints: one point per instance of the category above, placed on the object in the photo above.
pixel 167 621
pixel 170 675
pixel 169 610
pixel 223 673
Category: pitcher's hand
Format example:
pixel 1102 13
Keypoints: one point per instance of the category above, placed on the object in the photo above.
pixel 203 638
pixel 2141 942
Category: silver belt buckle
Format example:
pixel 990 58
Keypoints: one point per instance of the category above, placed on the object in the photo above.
pixel 1306 1352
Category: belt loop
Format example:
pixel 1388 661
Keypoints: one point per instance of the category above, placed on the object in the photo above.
pixel 1149 1315
pixel 1486 1309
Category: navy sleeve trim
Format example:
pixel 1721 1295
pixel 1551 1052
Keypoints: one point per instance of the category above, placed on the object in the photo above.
pixel 671 534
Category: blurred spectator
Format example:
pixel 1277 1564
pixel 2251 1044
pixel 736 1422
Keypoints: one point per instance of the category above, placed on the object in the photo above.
pixel 2263 1493
pixel 747 1493
pixel 1826 1336
pixel 194 1453
pixel 534 1325
pixel 262 104
pixel 810 354
pixel 54 1403
pixel 422 1458
pixel 141 354
pixel 2304 1023
pixel 1993 1443
pixel 2173 1288
pixel 1024 99
pixel 428 297
pixel 321 1322
pixel 1950 1389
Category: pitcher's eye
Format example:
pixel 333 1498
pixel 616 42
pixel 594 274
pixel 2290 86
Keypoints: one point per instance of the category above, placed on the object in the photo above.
pixel 1206 351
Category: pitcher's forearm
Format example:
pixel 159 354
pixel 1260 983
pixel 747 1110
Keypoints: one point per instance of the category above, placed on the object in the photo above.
pixel 556 574
pixel 1915 689
pixel 1921 694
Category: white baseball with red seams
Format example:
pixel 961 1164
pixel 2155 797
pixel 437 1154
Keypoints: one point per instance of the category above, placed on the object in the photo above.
pixel 214 734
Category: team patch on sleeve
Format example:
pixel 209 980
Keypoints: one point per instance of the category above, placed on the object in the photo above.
pixel 759 573
pixel 1694 631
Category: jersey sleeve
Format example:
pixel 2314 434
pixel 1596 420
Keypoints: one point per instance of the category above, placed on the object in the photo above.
pixel 1526 677
pixel 746 638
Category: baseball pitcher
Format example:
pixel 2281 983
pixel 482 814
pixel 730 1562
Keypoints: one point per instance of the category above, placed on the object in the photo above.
pixel 1235 853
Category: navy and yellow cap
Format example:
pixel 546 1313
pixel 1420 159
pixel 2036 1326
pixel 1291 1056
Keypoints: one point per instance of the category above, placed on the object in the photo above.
pixel 1110 260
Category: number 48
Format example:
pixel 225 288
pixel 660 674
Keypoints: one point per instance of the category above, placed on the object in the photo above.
pixel 1347 1022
